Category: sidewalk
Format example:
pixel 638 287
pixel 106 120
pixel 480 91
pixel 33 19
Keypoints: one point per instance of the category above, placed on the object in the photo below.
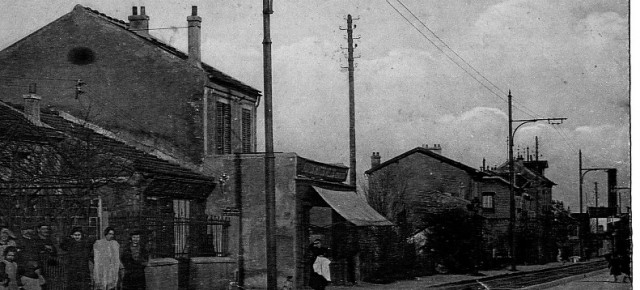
pixel 433 280
pixel 601 280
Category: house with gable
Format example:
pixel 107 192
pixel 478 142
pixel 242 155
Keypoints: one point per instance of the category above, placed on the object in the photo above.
pixel 117 76
pixel 398 188
pixel 133 84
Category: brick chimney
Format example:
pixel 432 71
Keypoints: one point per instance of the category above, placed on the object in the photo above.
pixel 375 159
pixel 32 105
pixel 139 23
pixel 435 149
pixel 194 21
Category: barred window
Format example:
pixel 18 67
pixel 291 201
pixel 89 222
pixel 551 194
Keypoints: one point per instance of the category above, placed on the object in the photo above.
pixel 247 122
pixel 223 128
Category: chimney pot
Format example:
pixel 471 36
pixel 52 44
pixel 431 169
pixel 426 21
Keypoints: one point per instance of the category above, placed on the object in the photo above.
pixel 32 88
pixel 375 159
pixel 139 23
pixel 32 105
pixel 194 10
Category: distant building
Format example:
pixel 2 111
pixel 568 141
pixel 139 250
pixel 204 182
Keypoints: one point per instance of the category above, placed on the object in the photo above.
pixel 533 208
pixel 405 181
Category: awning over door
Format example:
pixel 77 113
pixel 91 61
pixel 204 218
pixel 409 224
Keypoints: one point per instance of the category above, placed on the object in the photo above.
pixel 352 207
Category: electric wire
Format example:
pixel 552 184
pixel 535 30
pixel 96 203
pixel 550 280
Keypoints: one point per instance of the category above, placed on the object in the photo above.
pixel 520 107
pixel 453 60
pixel 441 50
pixel 37 78
pixel 463 60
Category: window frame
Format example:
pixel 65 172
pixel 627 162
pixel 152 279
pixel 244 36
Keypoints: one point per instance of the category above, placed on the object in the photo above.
pixel 488 198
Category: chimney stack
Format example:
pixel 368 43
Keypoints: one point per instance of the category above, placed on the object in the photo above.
pixel 375 159
pixel 139 23
pixel 435 149
pixel 32 105
pixel 194 21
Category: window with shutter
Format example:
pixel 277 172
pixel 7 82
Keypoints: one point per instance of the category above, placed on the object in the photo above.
pixel 223 128
pixel 246 130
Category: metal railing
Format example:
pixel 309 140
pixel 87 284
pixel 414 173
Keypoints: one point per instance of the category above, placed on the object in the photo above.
pixel 175 237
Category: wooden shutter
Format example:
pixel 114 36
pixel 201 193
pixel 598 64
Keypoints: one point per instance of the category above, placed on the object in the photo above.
pixel 247 121
pixel 223 128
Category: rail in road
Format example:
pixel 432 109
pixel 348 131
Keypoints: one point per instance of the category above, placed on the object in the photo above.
pixel 518 280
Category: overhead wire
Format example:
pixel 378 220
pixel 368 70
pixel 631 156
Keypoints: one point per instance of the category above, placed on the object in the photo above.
pixel 38 78
pixel 521 107
pixel 441 50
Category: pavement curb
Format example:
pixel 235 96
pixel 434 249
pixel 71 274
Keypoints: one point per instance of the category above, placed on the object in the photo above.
pixel 565 280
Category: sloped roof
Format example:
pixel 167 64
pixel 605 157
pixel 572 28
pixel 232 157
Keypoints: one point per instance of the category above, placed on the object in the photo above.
pixel 214 74
pixel 57 126
pixel 14 124
pixel 425 151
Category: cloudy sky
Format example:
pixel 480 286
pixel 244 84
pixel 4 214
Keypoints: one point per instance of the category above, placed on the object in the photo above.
pixel 559 58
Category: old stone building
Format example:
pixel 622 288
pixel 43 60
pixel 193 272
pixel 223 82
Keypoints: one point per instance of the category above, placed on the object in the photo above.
pixel 135 85
pixel 65 172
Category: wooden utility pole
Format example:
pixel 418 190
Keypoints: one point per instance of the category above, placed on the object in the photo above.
pixel 581 176
pixel 595 190
pixel 352 105
pixel 512 197
pixel 269 162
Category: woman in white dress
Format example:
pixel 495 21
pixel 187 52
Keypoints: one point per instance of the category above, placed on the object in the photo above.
pixel 107 265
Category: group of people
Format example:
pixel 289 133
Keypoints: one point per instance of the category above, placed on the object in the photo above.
pixel 101 265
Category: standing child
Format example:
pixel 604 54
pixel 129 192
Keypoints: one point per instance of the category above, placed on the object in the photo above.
pixel 31 277
pixel 9 270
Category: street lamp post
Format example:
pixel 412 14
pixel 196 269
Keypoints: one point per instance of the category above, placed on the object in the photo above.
pixel 583 172
pixel 512 198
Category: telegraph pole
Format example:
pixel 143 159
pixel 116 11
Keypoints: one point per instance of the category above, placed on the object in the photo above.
pixel 512 197
pixel 352 106
pixel 269 162
pixel 512 182
pixel 581 176
pixel 595 189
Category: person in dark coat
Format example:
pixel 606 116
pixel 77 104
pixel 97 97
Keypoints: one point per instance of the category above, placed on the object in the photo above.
pixel 28 247
pixel 625 267
pixel 48 252
pixel 134 258
pixel 614 266
pixel 79 259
